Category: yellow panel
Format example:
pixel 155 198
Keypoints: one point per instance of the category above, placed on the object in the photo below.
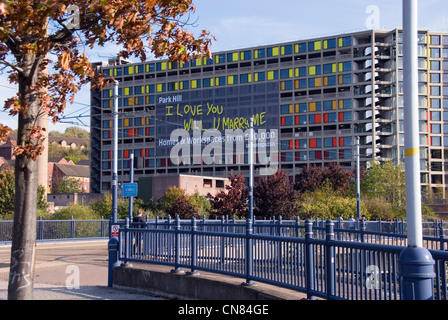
pixel 256 54
pixel 249 77
pixel 312 106
pixel 318 82
pixel 282 85
pixel 291 108
pixel 296 72
pixel 333 68
pixel 256 77
pixel 130 70
pixel 126 91
pixel 230 80
pixel 340 42
pixel 341 67
pixel 334 104
pixel 270 75
pixel 341 104
pixel 325 81
pixel 325 44
pixel 235 56
pixel 194 84
pixel 275 51
pixel 163 66
pixel 317 45
pixel 296 48
pixel 126 122
pixel 296 108
pixel 312 71
pixel 159 87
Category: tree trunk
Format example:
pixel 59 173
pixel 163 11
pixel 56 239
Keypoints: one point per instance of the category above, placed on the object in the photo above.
pixel 23 250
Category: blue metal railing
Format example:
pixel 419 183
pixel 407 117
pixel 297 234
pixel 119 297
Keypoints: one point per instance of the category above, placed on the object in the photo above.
pixel 322 261
pixel 61 229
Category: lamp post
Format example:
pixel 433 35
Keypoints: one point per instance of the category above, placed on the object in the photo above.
pixel 115 156
pixel 251 170
pixel 415 264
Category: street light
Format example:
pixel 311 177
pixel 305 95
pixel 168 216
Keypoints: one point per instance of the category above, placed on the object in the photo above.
pixel 416 263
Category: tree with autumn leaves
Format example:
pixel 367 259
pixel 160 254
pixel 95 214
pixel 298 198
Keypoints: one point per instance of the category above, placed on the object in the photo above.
pixel 43 47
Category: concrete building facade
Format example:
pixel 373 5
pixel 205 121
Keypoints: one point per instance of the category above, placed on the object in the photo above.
pixel 311 98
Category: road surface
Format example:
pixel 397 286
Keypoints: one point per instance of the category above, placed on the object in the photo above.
pixel 69 271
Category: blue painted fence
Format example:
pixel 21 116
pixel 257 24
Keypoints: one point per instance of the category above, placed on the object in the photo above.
pixel 323 259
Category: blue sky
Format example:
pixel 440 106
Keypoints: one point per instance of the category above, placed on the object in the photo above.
pixel 248 23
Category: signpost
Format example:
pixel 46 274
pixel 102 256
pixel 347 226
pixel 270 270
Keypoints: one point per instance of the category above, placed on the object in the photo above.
pixel 130 190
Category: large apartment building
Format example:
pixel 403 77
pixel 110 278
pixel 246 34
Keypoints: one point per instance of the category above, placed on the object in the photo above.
pixel 309 99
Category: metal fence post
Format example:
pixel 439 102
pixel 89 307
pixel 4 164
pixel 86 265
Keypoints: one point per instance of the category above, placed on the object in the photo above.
pixel 363 228
pixel 309 259
pixel 72 228
pixel 177 246
pixel 194 248
pixel 330 277
pixel 249 253
pixel 127 243
pixel 40 235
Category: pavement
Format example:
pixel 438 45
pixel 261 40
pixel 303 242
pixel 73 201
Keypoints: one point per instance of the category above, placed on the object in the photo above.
pixel 70 271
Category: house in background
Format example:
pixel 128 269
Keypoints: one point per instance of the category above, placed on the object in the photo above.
pixel 71 171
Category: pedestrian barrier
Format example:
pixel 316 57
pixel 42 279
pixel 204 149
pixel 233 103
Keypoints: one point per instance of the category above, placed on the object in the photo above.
pixel 317 259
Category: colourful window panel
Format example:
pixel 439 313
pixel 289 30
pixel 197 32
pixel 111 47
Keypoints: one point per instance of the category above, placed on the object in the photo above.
pixel 245 55
pixel 184 85
pixel 150 67
pixel 287 144
pixel 220 81
pixel 345 66
pixel 286 85
pixel 345 41
pixel 300 120
pixel 273 75
pixel 232 79
pixel 195 84
pixel 232 57
pixel 286 49
pixel 315 118
pixel 330 155
pixel 345 104
pixel 314 70
pixel 246 78
pixel 284 109
pixel 220 58
pixel 302 156
pixel 303 107
pixel 330 117
pixel 273 52
pixel 286 73
pixel 287 121
pixel 315 106
pixel 287 156
pixel 302 144
pixel 301 72
pixel 315 143
pixel 161 87
pixel 330 81
pixel 329 44
pixel 259 76
pixel 125 154
pixel 300 48
pixel 314 45
pixel 330 142
pixel 259 53
pixel 208 82
pixel 346 154
pixel 345 79
pixel 315 155
pixel 315 82
pixel 345 116
pixel 300 84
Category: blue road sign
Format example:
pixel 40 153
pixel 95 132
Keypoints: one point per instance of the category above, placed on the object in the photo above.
pixel 129 189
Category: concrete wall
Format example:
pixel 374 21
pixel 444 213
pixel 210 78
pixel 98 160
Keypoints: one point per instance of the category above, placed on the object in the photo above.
pixel 159 280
